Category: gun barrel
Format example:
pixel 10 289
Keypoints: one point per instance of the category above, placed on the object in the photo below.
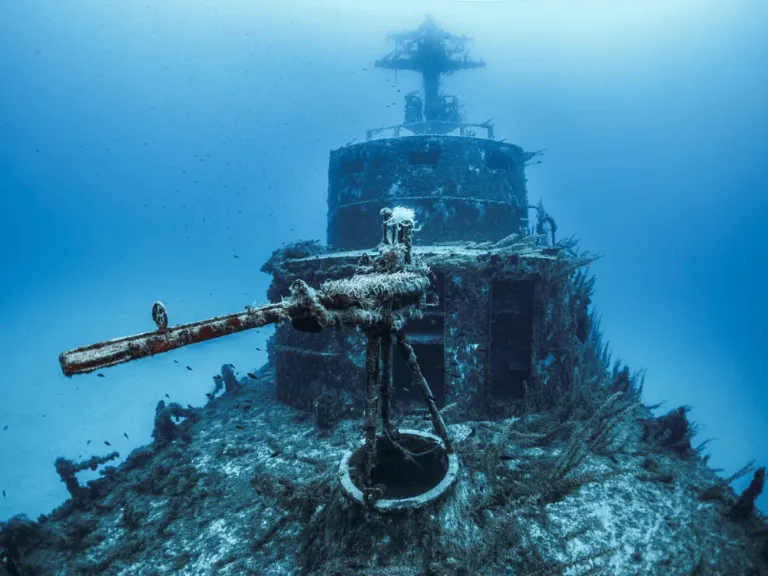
pixel 112 352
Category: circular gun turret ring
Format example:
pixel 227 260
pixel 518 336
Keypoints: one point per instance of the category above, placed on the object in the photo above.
pixel 400 485
pixel 160 315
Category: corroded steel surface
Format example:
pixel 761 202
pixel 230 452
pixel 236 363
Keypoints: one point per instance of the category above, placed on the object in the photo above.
pixel 307 309
pixel 112 352
pixel 462 189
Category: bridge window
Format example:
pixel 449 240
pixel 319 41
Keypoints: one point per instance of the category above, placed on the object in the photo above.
pixel 424 157
pixel 352 165
pixel 498 161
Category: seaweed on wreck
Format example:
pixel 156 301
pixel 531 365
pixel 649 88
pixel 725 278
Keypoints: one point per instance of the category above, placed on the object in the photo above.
pixel 524 480
pixel 571 361
pixel 591 408
pixel 18 534
pixel 299 502
pixel 576 374
pixel 62 530
pixel 166 428
pixel 73 527
pixel 672 431
pixel 67 470
pixel 745 505
pixel 331 406
pixel 226 381
pixel 341 539
pixel 546 479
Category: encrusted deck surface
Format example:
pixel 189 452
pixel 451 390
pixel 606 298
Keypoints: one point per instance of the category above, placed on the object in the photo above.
pixel 255 492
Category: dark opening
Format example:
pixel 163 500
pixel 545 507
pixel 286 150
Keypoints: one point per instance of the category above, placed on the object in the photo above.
pixel 430 356
pixel 352 165
pixel 433 321
pixel 436 294
pixel 428 329
pixel 431 156
pixel 398 477
pixel 377 162
pixel 307 325
pixel 499 161
pixel 511 337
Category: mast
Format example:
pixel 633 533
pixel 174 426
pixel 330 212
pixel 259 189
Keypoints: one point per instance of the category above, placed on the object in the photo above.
pixel 431 52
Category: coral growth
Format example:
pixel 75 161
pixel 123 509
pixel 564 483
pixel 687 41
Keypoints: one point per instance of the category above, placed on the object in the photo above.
pixel 746 503
pixel 166 429
pixel 67 470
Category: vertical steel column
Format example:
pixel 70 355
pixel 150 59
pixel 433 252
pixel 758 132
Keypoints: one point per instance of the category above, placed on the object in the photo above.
pixel 371 405
pixel 386 382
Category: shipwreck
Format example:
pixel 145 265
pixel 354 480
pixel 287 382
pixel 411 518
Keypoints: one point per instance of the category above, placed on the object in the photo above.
pixel 438 398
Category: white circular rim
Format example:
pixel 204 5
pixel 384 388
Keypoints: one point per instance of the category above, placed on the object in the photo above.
pixel 397 504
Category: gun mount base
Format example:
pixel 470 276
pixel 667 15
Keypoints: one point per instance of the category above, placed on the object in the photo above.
pixel 401 483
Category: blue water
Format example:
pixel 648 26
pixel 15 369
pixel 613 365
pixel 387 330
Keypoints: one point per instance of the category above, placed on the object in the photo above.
pixel 145 144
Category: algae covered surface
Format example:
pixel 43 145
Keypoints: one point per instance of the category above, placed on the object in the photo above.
pixel 248 485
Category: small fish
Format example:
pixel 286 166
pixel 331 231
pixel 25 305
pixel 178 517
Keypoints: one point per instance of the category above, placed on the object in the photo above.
pixel 239 427
pixel 190 406
pixel 107 443
pixel 166 395
pixel 126 435
pixel 251 375
pixel 209 395
pixel 235 256
pixel 176 361
pixel 188 368
pixel 259 349
pixel 5 427
pixel 4 497
pixel 275 453
pixel 87 442
pixel 100 375
pixel 506 457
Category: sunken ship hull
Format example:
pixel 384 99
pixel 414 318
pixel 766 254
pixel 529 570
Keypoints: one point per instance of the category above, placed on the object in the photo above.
pixel 548 462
